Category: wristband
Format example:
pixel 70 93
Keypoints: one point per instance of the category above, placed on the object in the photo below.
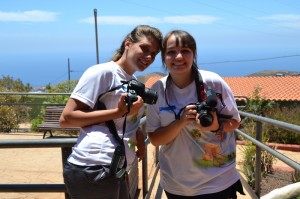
pixel 220 129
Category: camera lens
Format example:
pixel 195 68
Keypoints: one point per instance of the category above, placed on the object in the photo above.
pixel 150 96
pixel 206 119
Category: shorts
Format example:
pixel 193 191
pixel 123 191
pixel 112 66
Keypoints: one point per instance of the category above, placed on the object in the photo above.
pixel 229 193
pixel 93 182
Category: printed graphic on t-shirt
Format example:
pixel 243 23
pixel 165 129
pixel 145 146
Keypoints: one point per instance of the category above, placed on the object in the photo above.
pixel 212 154
pixel 133 118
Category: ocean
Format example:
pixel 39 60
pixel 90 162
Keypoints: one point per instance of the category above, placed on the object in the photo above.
pixel 40 69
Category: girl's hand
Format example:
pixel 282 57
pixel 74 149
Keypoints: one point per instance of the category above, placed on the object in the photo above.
pixel 189 115
pixel 122 106
pixel 135 106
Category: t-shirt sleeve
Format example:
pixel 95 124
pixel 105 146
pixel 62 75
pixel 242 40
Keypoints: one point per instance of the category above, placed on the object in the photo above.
pixel 229 101
pixel 152 116
pixel 94 81
pixel 214 80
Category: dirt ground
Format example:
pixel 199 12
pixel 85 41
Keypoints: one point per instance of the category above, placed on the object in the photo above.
pixel 30 166
pixel 39 166
pixel 44 165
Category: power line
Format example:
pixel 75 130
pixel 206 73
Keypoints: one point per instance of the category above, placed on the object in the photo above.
pixel 219 23
pixel 294 6
pixel 252 60
pixel 242 15
pixel 58 78
pixel 150 7
pixel 259 11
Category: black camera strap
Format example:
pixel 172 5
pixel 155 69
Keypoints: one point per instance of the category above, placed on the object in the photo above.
pixel 199 85
pixel 199 90
pixel 113 89
pixel 113 130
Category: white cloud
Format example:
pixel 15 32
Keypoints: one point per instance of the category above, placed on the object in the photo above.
pixel 287 20
pixel 121 20
pixel 191 19
pixel 129 20
pixel 28 16
pixel 291 24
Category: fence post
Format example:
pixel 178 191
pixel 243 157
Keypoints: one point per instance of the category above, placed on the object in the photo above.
pixel 145 171
pixel 65 152
pixel 258 159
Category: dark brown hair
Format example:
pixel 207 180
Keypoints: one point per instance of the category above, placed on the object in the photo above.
pixel 136 35
pixel 186 39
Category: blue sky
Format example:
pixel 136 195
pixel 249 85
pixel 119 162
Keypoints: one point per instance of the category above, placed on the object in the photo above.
pixel 234 37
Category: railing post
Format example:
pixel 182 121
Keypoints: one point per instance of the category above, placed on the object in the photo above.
pixel 258 159
pixel 65 152
pixel 145 171
pixel 156 155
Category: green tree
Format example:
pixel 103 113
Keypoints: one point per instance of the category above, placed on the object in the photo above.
pixel 11 116
pixel 258 104
pixel 62 87
pixel 9 84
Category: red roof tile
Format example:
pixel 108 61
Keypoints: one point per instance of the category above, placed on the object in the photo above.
pixel 152 80
pixel 286 88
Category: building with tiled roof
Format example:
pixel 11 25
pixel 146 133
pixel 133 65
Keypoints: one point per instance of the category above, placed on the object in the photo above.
pixel 152 79
pixel 282 88
pixel 285 88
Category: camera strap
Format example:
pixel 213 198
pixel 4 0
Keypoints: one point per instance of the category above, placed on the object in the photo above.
pixel 199 85
pixel 113 130
pixel 113 89
pixel 199 90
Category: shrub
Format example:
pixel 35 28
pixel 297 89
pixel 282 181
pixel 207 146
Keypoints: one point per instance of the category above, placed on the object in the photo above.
pixel 8 119
pixel 11 116
pixel 248 169
pixel 35 123
pixel 281 111
pixel 285 114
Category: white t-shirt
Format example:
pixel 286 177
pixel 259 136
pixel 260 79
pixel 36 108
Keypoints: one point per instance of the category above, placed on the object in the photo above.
pixel 195 162
pixel 95 145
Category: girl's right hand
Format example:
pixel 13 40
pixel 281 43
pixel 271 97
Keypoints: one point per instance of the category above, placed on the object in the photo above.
pixel 122 106
pixel 134 108
pixel 189 114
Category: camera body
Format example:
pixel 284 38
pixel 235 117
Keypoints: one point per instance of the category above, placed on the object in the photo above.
pixel 205 108
pixel 205 115
pixel 135 88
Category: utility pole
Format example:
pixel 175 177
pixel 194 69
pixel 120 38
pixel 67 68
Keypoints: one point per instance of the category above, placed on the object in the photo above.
pixel 96 32
pixel 69 74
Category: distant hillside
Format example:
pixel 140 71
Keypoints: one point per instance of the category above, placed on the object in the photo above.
pixel 144 78
pixel 275 73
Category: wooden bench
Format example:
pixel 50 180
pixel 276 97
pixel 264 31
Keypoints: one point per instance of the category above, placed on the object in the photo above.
pixel 51 121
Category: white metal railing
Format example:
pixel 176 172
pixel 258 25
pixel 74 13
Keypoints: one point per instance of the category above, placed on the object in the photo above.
pixel 66 143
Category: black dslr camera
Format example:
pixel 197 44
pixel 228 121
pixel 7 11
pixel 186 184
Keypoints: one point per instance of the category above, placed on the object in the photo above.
pixel 205 108
pixel 135 88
